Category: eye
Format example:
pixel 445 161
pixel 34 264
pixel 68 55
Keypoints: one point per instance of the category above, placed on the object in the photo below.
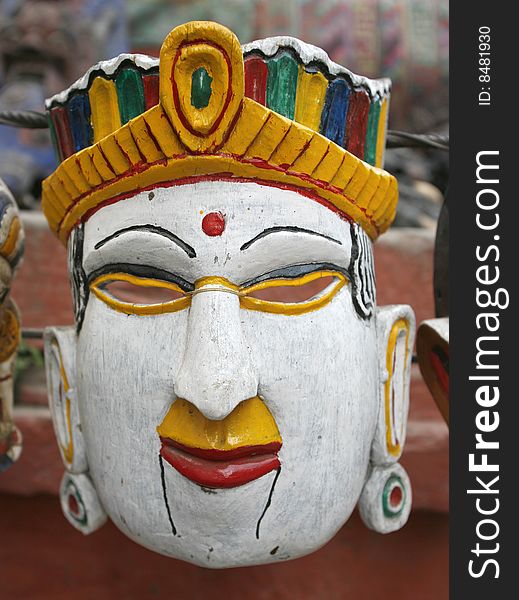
pixel 293 296
pixel 300 292
pixel 139 295
pixel 127 291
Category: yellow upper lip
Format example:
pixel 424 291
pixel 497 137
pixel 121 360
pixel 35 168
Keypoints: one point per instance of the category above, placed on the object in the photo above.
pixel 249 424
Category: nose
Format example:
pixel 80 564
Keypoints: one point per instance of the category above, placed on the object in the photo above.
pixel 216 372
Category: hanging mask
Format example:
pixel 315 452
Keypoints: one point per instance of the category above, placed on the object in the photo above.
pixel 11 252
pixel 230 390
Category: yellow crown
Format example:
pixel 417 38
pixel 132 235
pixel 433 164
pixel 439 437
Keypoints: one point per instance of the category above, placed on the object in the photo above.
pixel 204 127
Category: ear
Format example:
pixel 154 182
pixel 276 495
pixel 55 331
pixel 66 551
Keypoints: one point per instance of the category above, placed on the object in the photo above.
pixel 60 366
pixel 79 500
pixel 395 339
pixel 385 502
pixel 432 347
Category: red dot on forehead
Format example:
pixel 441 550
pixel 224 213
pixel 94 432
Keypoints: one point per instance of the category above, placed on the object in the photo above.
pixel 213 224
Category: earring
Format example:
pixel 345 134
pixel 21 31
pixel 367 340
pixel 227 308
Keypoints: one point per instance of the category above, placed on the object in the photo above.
pixel 385 502
pixel 80 503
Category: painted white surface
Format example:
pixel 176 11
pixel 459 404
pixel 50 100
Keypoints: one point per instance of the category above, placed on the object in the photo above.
pixel 370 504
pixel 208 374
pixel 90 512
pixel 318 373
pixel 249 208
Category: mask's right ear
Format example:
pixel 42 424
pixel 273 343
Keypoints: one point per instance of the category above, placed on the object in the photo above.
pixel 79 500
pixel 60 366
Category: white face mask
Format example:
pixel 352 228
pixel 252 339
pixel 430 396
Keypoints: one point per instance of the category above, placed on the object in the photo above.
pixel 291 391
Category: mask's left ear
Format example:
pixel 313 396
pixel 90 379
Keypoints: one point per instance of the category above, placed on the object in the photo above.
pixel 60 367
pixel 79 499
pixel 385 502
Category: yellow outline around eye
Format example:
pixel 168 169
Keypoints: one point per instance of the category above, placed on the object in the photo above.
pixel 215 280
pixel 284 308
pixel 139 309
pixel 291 308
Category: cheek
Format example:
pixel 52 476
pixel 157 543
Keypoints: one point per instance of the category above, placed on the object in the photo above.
pixel 126 366
pixel 318 374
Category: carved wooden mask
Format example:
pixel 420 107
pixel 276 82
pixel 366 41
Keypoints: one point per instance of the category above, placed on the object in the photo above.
pixel 230 391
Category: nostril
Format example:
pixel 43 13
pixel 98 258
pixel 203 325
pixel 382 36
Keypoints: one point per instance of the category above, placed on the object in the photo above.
pixel 215 402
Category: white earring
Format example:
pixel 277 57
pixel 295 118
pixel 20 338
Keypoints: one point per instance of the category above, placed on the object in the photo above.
pixel 385 502
pixel 80 503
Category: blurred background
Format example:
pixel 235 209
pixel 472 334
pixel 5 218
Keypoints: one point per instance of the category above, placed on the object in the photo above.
pixel 45 46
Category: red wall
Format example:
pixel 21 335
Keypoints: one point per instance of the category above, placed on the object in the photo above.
pixel 43 557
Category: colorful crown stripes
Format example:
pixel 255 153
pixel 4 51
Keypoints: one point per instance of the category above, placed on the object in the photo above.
pixel 277 111
pixel 349 110
pixel 300 82
pixel 109 95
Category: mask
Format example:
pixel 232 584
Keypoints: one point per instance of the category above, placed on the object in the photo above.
pixel 11 252
pixel 230 391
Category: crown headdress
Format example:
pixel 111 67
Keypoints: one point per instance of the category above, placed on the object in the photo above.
pixel 277 111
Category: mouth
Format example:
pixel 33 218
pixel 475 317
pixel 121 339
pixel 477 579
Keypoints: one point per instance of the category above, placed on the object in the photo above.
pixel 221 468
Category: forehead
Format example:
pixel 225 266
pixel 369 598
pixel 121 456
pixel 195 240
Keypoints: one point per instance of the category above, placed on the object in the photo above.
pixel 248 210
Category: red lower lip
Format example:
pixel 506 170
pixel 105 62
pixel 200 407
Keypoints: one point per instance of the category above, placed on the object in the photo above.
pixel 221 468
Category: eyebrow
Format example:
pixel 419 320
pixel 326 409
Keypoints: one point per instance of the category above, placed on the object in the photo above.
pixel 292 229
pixel 189 250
